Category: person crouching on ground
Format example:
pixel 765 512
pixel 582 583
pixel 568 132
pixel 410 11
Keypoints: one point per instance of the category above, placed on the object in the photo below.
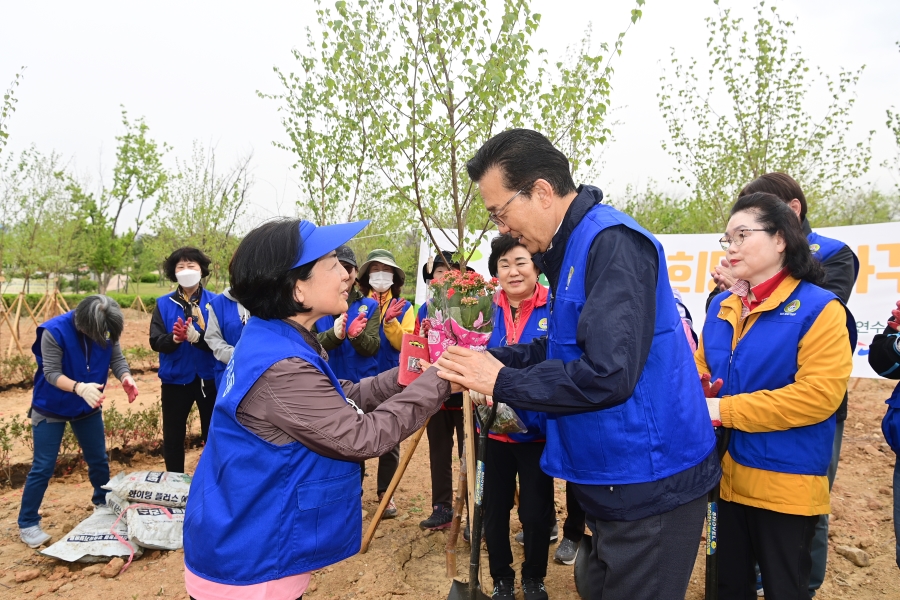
pixel 74 354
pixel 276 494
pixel 782 347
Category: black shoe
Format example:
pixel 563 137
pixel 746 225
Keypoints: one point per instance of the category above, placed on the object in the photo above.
pixel 466 535
pixel 504 589
pixel 439 519
pixel 534 589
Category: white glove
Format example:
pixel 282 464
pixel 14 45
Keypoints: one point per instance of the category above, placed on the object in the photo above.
pixel 193 336
pixel 715 415
pixel 92 393
pixel 340 325
pixel 480 399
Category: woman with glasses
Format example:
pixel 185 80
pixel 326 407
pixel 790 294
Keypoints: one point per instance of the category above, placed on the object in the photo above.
pixel 276 494
pixel 779 349
pixel 521 315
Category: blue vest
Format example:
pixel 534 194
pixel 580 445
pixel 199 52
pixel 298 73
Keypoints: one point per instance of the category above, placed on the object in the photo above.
pixel 664 427
pixel 187 363
pixel 258 511
pixel 387 357
pixel 765 358
pixel 229 320
pixel 535 327
pixel 49 399
pixel 890 425
pixel 823 248
pixel 345 361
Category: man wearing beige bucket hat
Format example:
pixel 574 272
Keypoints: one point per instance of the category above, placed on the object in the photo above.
pixel 381 279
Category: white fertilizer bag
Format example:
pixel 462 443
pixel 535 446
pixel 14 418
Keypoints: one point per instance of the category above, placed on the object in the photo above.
pixel 93 540
pixel 162 488
pixel 154 527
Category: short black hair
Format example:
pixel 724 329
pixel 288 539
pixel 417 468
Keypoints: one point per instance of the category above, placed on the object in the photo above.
pixel 781 185
pixel 523 156
pixel 777 217
pixel 261 275
pixel 186 253
pixel 500 245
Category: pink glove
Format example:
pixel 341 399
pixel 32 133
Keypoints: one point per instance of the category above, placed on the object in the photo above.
pixel 710 390
pixel 895 324
pixel 130 388
pixel 357 326
pixel 395 308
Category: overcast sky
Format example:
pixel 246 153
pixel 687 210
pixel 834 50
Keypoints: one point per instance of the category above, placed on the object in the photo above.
pixel 193 69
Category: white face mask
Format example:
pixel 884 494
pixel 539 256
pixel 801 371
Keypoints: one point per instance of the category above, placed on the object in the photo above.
pixel 381 282
pixel 188 278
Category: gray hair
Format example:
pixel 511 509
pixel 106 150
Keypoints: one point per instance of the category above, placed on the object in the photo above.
pixel 100 318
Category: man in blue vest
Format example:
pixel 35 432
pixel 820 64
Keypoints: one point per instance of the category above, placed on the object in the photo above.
pixel 841 269
pixel 627 422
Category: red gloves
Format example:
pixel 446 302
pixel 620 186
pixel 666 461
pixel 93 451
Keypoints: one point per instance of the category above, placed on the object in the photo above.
pixel 179 330
pixel 895 324
pixel 424 327
pixel 710 390
pixel 394 309
pixel 357 326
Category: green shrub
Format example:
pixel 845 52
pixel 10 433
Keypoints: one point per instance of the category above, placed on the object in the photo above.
pixel 87 285
pixel 150 278
pixel 17 369
pixel 141 357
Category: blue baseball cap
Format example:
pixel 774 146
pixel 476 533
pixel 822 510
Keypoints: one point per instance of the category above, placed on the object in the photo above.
pixel 319 241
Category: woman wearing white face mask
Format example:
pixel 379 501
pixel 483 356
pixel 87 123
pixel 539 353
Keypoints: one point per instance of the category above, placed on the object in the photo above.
pixel 382 279
pixel 186 362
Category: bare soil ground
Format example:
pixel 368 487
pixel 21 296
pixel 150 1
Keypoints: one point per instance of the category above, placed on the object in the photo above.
pixel 406 562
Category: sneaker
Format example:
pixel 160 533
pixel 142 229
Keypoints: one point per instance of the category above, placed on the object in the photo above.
pixel 34 537
pixel 391 511
pixel 466 535
pixel 554 535
pixel 760 593
pixel 504 588
pixel 439 519
pixel 567 552
pixel 534 589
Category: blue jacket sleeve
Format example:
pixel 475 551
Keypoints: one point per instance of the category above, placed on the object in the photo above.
pixel 615 330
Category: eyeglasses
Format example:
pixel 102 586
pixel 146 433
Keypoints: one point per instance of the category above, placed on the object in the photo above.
pixel 739 237
pixel 495 216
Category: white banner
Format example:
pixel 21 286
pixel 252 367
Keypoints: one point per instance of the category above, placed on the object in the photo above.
pixel 690 258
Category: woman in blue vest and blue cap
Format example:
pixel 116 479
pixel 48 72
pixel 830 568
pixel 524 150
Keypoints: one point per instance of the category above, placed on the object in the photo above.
pixel 276 494
pixel 186 362
pixel 74 354
pixel 779 349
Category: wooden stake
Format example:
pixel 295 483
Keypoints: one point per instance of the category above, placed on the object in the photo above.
pixel 469 428
pixel 395 481
pixel 458 505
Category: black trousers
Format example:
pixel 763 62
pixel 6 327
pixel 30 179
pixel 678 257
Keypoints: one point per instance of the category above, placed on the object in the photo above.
pixel 387 466
pixel 440 431
pixel 176 405
pixel 573 528
pixel 648 559
pixel 503 461
pixel 779 542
